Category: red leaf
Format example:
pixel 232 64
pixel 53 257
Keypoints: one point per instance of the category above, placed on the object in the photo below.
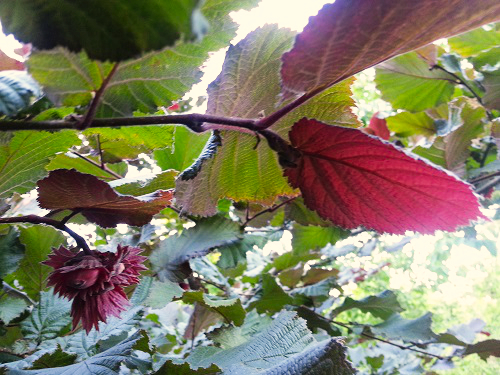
pixel 354 180
pixel 351 35
pixel 96 200
pixel 379 127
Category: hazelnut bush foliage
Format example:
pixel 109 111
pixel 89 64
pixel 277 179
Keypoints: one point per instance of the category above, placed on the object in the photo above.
pixel 179 271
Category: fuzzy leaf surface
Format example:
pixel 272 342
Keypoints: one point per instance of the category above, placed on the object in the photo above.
pixel 23 158
pixel 96 199
pixel 354 180
pixel 171 259
pixel 105 363
pixel 285 346
pixel 17 88
pixel 349 36
pixel 236 170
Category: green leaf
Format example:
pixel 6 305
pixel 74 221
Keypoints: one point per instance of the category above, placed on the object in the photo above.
pixel 67 161
pixel 484 349
pixel 284 347
pixel 307 238
pixel 475 41
pixel 169 368
pixel 383 305
pixel 144 84
pixel 297 211
pixel 39 241
pixel 11 252
pixel 111 30
pixel 234 253
pixel 405 124
pixel 17 89
pixel 23 159
pixel 227 338
pixel 143 186
pixel 156 294
pixel 491 83
pixel 57 358
pixel 186 147
pixel 170 259
pixel 235 170
pixel 48 318
pixel 11 308
pixel 407 83
pixel 452 151
pixel 230 310
pixel 398 328
pixel 129 142
pixel 270 297
pixel 105 363
pixel 319 291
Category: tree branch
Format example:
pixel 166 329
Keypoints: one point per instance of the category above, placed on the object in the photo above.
pixel 462 82
pixel 89 116
pixel 270 209
pixel 367 335
pixel 193 121
pixel 16 293
pixel 33 219
pixel 100 166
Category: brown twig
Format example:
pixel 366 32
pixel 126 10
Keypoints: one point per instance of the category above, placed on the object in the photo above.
pixel 33 219
pixel 485 177
pixel 462 82
pixel 89 116
pixel 367 335
pixel 100 166
pixel 270 209
pixel 486 188
pixel 193 121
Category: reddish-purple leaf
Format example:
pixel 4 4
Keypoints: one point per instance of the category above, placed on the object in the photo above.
pixel 71 190
pixel 378 127
pixel 351 35
pixel 354 179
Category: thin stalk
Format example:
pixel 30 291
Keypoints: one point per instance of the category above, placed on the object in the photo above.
pixel 33 219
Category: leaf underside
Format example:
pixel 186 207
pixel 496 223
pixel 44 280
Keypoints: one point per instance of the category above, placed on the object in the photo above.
pixel 354 179
pixel 96 200
pixel 349 36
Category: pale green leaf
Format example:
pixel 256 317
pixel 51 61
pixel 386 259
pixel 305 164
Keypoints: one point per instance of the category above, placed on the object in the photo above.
pixel 39 241
pixel 475 41
pixel 23 159
pixel 407 83
pixel 17 89
pixel 170 259
pixel 11 308
pixel 310 237
pixel 11 252
pixel 284 347
pixel 49 317
pixel 398 328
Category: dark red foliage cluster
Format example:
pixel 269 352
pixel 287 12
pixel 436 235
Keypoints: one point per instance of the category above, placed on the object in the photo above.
pixel 95 282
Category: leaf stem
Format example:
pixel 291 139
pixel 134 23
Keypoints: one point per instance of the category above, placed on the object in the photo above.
pixel 34 219
pixel 89 116
pixel 461 81
pixel 274 117
pixel 193 121
pixel 270 209
pixel 367 335
pixel 16 293
pixel 98 165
